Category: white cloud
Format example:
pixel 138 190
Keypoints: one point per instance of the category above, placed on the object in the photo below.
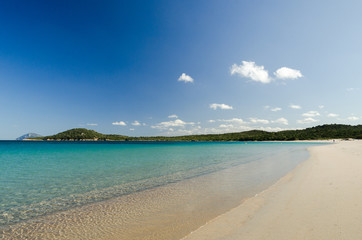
pixel 252 71
pixel 185 78
pixel 120 123
pixel 184 131
pixel 175 123
pixel 259 74
pixel 267 107
pixel 173 116
pixel 276 109
pixel 271 129
pixel 332 115
pixel 226 126
pixel 131 129
pixel 221 106
pixel 287 73
pixel 211 121
pixel 311 114
pixel 92 124
pixel 136 123
pixel 352 89
pixel 281 121
pixel 307 120
pixel 256 120
pixel 321 106
pixel 353 118
pixel 222 128
pixel 233 120
pixel 293 106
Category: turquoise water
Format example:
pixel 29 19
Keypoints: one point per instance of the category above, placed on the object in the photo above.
pixel 38 178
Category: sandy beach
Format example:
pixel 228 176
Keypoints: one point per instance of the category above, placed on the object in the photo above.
pixel 320 199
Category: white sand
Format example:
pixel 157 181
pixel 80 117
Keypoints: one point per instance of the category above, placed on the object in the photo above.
pixel 320 199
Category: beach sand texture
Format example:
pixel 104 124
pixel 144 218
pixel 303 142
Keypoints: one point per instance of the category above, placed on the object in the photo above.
pixel 320 199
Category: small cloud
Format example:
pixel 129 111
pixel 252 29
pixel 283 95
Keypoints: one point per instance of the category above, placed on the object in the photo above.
pixel 311 114
pixel 226 126
pixel 136 123
pixel 267 107
pixel 353 118
pixel 352 89
pixel 173 116
pixel 92 124
pixel 276 109
pixel 120 123
pixel 281 121
pixel 175 123
pixel 252 71
pixel 211 121
pixel 307 120
pixel 233 120
pixel 185 78
pixel 293 106
pixel 332 115
pixel 131 129
pixel 287 73
pixel 321 106
pixel 256 120
pixel 221 106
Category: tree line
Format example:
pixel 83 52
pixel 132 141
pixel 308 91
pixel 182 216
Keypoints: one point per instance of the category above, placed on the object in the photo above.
pixel 330 131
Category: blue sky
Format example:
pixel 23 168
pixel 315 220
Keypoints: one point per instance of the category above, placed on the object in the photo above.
pixel 145 68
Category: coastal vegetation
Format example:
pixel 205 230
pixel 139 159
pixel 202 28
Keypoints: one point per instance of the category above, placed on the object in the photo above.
pixel 330 131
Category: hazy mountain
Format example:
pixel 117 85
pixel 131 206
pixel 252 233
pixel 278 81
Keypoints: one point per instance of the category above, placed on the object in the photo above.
pixel 28 135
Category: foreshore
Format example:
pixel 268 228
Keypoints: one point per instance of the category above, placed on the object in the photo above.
pixel 320 199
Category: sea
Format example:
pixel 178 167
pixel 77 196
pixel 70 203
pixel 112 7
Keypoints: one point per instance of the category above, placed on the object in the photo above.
pixel 38 179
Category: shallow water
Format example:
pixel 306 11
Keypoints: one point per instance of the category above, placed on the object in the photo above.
pixel 190 183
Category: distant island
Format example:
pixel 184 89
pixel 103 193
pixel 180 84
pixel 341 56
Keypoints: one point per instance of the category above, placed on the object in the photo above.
pixel 322 132
pixel 28 135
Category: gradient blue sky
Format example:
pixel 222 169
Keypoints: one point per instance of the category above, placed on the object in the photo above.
pixel 113 66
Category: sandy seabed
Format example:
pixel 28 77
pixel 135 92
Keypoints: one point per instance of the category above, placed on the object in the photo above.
pixel 167 212
pixel 320 199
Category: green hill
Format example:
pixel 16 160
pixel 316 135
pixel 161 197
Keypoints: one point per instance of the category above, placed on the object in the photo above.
pixel 315 133
pixel 330 131
pixel 81 134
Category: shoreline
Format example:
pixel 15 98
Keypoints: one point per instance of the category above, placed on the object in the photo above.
pixel 307 203
pixel 110 140
pixel 84 220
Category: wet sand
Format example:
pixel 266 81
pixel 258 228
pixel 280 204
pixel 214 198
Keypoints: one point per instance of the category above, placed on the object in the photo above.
pixel 320 199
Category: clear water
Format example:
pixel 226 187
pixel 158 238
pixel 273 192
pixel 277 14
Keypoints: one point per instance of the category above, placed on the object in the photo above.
pixel 38 178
